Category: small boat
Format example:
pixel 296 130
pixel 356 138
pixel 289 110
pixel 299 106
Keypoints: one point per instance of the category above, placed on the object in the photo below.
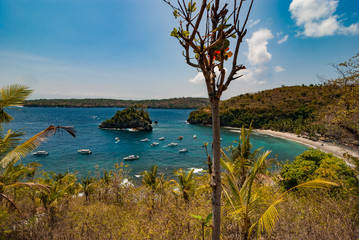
pixel 184 150
pixel 117 139
pixel 84 151
pixel 41 153
pixel 180 138
pixel 162 138
pixel 131 157
pixel 145 140
pixel 172 144
pixel 194 136
pixel 154 144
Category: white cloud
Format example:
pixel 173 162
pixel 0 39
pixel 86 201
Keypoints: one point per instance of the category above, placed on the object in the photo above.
pixel 199 78
pixel 254 76
pixel 252 23
pixel 279 69
pixel 257 47
pixel 282 40
pixel 318 18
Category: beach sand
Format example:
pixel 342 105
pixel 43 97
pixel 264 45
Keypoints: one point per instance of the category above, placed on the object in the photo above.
pixel 323 146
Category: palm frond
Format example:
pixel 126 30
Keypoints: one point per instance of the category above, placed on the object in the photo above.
pixel 13 95
pixel 10 141
pixel 30 185
pixel 11 202
pixel 268 219
pixel 32 143
pixel 246 190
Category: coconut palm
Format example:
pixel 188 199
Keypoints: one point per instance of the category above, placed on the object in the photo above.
pixel 11 150
pixel 186 185
pixel 250 207
pixel 241 159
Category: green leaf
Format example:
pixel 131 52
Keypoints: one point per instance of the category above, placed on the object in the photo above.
pixel 185 33
pixel 197 216
pixel 175 13
pixel 234 36
pixel 209 6
pixel 174 33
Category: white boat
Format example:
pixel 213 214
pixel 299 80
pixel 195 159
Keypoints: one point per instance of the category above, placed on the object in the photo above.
pixel 131 157
pixel 184 150
pixel 162 138
pixel 117 139
pixel 154 144
pixel 84 151
pixel 41 153
pixel 172 144
pixel 145 140
pixel 194 136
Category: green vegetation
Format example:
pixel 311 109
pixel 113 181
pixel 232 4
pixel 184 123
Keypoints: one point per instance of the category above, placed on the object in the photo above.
pixel 132 117
pixel 58 206
pixel 314 164
pixel 329 111
pixel 172 103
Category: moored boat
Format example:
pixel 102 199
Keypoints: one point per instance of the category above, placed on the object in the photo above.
pixel 41 153
pixel 172 144
pixel 154 144
pixel 131 157
pixel 184 150
pixel 162 138
pixel 145 140
pixel 84 151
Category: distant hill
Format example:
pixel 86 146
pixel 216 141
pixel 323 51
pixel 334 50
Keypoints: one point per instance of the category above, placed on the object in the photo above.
pixel 328 111
pixel 180 103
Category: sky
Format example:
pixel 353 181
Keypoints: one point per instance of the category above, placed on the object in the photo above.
pixel 122 49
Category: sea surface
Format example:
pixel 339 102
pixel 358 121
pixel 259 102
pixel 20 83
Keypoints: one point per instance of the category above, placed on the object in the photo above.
pixel 106 151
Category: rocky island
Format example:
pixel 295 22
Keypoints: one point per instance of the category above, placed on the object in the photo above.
pixel 134 117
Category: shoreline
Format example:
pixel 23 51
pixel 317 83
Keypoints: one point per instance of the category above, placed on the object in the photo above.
pixel 334 149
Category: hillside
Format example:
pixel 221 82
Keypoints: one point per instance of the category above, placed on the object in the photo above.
pixel 326 112
pixel 181 103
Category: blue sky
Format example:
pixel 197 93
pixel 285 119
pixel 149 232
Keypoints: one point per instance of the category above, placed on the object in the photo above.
pixel 122 48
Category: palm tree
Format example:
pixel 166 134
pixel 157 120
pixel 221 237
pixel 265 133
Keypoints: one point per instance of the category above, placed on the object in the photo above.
pixel 249 206
pixel 88 186
pixel 241 159
pixel 186 185
pixel 11 150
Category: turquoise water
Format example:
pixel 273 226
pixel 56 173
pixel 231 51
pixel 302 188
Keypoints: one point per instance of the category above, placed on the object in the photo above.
pixel 106 152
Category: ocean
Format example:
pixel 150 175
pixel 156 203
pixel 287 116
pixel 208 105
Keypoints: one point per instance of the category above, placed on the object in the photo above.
pixel 106 151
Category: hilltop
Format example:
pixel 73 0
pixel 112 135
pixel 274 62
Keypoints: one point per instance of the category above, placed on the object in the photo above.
pixel 180 103
pixel 327 112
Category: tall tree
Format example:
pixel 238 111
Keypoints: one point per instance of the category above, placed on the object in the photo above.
pixel 206 34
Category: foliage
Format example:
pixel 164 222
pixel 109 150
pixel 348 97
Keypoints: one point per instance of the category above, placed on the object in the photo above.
pixel 186 185
pixel 172 103
pixel 11 150
pixel 244 189
pixel 131 117
pixel 314 164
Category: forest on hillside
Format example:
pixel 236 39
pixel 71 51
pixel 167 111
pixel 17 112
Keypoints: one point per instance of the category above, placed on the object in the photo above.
pixel 172 103
pixel 327 111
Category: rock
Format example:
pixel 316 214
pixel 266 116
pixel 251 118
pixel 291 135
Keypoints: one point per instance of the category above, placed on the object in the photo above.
pixel 134 117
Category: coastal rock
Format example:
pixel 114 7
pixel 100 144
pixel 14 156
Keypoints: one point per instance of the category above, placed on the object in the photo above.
pixel 134 117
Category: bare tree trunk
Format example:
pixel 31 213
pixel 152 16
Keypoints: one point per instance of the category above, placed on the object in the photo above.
pixel 216 176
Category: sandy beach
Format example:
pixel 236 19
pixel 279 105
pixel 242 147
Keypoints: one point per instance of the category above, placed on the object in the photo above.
pixel 323 146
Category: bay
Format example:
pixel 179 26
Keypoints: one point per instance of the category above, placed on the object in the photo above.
pixel 62 148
